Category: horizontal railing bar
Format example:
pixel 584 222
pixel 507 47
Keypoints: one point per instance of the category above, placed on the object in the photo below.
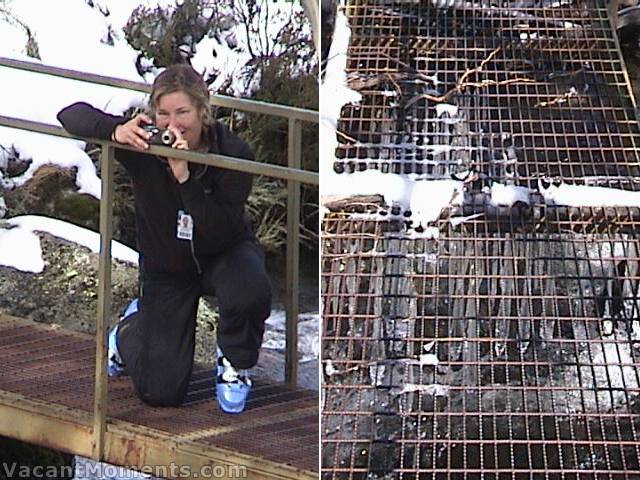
pixel 266 108
pixel 253 106
pixel 222 161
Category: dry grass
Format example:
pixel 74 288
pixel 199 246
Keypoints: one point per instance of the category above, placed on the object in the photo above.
pixel 267 208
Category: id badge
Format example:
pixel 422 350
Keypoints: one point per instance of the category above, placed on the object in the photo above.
pixel 185 226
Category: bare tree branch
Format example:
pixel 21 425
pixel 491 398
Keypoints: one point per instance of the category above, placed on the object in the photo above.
pixel 462 82
pixel 559 99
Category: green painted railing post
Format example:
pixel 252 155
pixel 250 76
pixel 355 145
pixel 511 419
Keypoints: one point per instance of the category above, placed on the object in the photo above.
pixel 293 255
pixel 104 302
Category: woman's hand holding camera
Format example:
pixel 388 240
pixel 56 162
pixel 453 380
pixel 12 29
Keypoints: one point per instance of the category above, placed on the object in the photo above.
pixel 132 133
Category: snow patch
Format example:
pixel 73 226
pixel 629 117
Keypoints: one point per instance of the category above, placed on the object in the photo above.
pixel 507 195
pixel 29 95
pixel 20 246
pixel 443 108
pixel 588 196
pixel 396 189
pixel 20 249
pixel 308 334
pixel 429 198
pixel 429 359
pixel 457 221
pixel 425 199
pixel 334 94
pixel 65 153
pixel 433 389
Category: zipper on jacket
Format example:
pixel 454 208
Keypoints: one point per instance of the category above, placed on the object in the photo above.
pixel 184 235
pixel 193 255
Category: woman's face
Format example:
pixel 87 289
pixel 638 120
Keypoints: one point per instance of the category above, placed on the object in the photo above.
pixel 176 110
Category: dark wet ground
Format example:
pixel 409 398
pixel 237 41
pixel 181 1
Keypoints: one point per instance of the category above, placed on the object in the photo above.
pixel 309 287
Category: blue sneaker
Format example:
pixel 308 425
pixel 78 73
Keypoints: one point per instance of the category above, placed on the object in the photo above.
pixel 115 364
pixel 232 386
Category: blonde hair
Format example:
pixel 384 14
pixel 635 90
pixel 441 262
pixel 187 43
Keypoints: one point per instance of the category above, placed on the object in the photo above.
pixel 182 78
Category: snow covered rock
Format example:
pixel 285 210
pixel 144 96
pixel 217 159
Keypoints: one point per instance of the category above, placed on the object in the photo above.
pixel 61 287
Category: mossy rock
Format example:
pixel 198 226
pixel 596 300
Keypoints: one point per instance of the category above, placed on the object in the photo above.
pixel 49 180
pixel 40 193
pixel 80 209
pixel 52 192
pixel 16 166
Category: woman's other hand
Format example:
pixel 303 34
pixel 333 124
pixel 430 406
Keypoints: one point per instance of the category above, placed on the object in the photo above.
pixel 179 167
pixel 132 133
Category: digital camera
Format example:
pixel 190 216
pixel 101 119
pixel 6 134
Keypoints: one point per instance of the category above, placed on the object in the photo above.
pixel 159 136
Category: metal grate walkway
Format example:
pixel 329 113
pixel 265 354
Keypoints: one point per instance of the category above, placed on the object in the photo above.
pixel 503 346
pixel 46 398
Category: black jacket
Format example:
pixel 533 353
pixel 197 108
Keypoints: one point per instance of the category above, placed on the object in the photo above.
pixel 214 197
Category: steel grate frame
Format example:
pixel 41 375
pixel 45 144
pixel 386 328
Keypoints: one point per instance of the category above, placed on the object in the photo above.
pixel 504 347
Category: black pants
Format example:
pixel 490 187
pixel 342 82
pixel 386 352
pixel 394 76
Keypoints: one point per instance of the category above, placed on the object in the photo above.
pixel 157 343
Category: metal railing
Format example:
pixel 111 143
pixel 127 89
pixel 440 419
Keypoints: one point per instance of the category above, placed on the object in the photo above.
pixel 293 174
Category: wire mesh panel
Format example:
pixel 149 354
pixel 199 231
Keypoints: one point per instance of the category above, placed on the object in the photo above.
pixel 507 354
pixel 544 81
pixel 502 345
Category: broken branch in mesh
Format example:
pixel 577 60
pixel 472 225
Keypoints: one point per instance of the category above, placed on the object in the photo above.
pixel 423 360
pixel 559 99
pixel 462 83
pixel 345 136
pixel 359 82
pixel 352 202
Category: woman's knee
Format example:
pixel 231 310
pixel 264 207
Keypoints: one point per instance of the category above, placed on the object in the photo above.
pixel 253 301
pixel 257 303
pixel 161 397
pixel 162 387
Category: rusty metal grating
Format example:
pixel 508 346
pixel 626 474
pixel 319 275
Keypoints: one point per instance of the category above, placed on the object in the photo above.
pixel 524 346
pixel 505 347
pixel 56 367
